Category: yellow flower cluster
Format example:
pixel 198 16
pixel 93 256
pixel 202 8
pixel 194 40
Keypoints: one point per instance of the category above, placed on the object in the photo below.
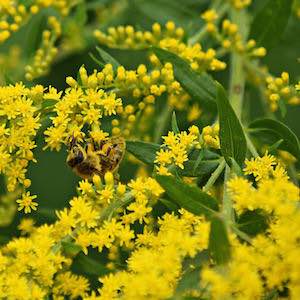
pixel 79 106
pixel 174 150
pixel 47 51
pixel 15 14
pixel 170 38
pixel 210 16
pixel 96 218
pixel 157 259
pixel 240 4
pixel 19 122
pixel 231 39
pixel 8 207
pixel 279 88
pixel 142 84
pixel 229 36
pixel 210 136
pixel 280 199
pixel 271 260
pixel 35 256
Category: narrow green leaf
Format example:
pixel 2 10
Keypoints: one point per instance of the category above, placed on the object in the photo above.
pixel 200 86
pixel 107 58
pixel 175 128
pixel 269 23
pixel 83 264
pixel 170 205
pixel 81 14
pixel 193 168
pixel 70 248
pixel 235 167
pixel 191 267
pixel 280 131
pixel 189 197
pixel 219 246
pixel 253 222
pixel 232 138
pixel 96 60
pixel 199 159
pixel 282 107
pixel 145 152
pixel 275 145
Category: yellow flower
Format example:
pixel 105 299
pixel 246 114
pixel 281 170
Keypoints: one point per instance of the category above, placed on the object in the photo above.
pixel 27 203
pixel 26 226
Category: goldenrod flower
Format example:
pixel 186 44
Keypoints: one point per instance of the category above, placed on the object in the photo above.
pixel 27 203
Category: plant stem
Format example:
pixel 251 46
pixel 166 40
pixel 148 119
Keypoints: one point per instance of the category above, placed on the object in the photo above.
pixel 250 145
pixel 241 234
pixel 221 9
pixel 237 74
pixel 227 203
pixel 215 175
pixel 109 211
pixel 236 95
pixel 162 122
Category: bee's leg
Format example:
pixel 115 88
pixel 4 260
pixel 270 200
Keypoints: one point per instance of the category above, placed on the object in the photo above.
pixel 116 177
pixel 73 142
pixel 90 148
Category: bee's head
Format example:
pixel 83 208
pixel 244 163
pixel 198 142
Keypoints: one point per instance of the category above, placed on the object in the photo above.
pixel 76 153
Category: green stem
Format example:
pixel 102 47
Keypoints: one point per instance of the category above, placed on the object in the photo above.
pixel 202 32
pixel 250 146
pixel 237 74
pixel 228 212
pixel 114 206
pixel 215 175
pixel 241 234
pixel 162 122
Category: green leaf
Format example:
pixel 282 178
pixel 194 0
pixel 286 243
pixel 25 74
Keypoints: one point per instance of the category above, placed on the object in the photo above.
pixel 275 146
pixel 280 131
pixel 170 205
pixel 81 14
pixel 145 152
pixel 192 168
pixel 198 160
pixel 70 248
pixel 253 222
pixel 270 22
pixel 48 103
pixel 96 60
pixel 200 86
pixel 282 107
pixel 235 167
pixel 219 246
pixel 232 138
pixel 189 197
pixel 107 58
pixel 175 128
pixel 83 264
pixel 191 267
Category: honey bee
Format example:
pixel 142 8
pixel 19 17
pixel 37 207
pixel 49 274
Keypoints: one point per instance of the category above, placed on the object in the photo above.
pixel 96 158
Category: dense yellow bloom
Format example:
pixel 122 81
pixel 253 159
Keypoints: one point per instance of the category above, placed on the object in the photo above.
pixel 210 136
pixel 170 38
pixel 20 107
pixel 279 88
pixel 174 150
pixel 239 4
